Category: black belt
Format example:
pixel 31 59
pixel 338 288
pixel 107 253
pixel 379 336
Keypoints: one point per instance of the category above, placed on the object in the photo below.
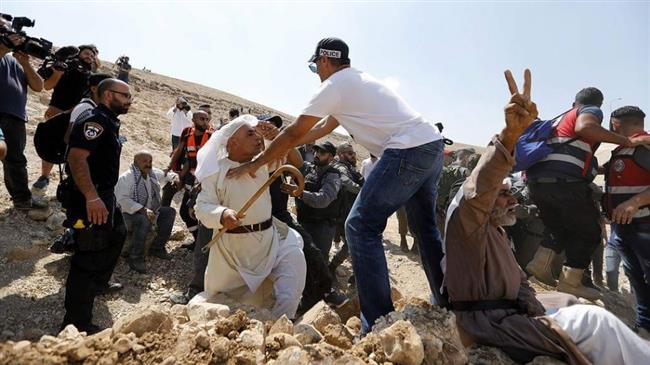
pixel 553 180
pixel 481 305
pixel 252 227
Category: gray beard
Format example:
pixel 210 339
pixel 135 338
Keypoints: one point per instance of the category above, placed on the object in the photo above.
pixel 500 217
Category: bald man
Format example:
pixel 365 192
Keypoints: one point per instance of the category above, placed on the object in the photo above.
pixel 138 197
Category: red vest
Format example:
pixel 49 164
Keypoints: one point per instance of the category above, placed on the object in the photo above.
pixel 625 178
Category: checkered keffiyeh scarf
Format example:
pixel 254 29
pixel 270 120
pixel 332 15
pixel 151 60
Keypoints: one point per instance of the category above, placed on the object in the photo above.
pixel 140 193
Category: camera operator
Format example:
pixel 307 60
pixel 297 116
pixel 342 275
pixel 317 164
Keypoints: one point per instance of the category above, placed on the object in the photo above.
pixel 70 84
pixel 123 68
pixel 181 118
pixel 16 74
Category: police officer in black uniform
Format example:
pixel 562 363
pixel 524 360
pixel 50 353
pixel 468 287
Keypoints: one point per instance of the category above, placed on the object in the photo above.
pixel 99 231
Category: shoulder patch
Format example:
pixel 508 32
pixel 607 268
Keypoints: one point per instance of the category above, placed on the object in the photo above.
pixel 92 130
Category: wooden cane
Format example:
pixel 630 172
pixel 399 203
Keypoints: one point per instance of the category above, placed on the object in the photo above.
pixel 291 170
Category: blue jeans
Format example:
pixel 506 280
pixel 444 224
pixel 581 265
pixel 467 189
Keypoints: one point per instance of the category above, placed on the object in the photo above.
pixel 632 241
pixel 401 177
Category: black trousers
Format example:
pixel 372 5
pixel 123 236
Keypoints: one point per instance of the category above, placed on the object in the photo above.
pixel 96 253
pixel 319 279
pixel 168 192
pixel 200 259
pixel 15 163
pixel 570 214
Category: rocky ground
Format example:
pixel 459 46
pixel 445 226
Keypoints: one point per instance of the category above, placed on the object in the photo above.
pixel 144 327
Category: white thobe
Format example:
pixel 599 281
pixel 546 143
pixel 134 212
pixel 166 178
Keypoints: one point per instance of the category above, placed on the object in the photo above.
pixel 247 259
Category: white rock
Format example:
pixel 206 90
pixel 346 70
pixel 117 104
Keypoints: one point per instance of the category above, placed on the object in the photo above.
pixel 70 332
pixel 202 340
pixel 148 320
pixel 252 339
pixel 204 311
pixel 122 345
pixel 39 214
pixel 306 334
pixel 282 325
pixel 319 316
pixel 55 221
pixel 21 346
pixel 293 355
pixel 402 344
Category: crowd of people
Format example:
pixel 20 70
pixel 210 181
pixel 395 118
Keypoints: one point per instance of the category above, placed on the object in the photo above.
pixel 480 226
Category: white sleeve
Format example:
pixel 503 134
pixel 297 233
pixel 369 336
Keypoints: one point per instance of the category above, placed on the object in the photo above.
pixel 208 208
pixel 162 179
pixel 170 114
pixel 325 102
pixel 123 194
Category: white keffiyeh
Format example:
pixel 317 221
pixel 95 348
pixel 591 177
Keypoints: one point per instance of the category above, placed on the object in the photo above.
pixel 215 150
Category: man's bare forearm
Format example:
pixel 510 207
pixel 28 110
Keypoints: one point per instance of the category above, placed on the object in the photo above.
pixel 642 198
pixel 51 82
pixel 321 129
pixel 34 80
pixel 176 155
pixel 287 139
pixel 81 176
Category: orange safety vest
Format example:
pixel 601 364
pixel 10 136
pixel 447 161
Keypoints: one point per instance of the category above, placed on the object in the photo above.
pixel 191 148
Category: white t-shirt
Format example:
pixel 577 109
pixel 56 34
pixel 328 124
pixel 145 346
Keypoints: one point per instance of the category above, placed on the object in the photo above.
pixel 374 115
pixel 85 106
pixel 366 166
pixel 180 121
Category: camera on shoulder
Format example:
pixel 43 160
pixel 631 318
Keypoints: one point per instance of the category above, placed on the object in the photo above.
pixel 64 59
pixel 36 47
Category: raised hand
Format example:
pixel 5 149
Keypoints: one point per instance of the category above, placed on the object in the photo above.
pixel 520 112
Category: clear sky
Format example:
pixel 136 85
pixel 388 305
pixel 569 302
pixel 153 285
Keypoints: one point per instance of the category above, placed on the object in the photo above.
pixel 445 58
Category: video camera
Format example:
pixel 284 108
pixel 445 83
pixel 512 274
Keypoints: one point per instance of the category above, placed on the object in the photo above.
pixel 64 59
pixel 36 47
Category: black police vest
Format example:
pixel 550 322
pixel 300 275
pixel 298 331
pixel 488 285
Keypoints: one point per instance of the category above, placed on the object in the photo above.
pixel 314 182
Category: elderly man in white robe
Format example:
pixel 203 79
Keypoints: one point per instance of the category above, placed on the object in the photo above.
pixel 255 247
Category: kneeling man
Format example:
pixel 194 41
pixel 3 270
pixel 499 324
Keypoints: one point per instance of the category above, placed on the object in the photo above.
pixel 138 196
pixel 489 293
pixel 255 247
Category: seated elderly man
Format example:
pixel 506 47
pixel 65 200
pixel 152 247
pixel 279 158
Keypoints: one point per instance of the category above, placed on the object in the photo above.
pixel 255 247
pixel 488 291
pixel 138 197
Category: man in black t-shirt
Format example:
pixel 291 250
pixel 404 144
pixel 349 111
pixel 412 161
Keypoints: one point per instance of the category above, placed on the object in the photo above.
pixel 99 231
pixel 69 86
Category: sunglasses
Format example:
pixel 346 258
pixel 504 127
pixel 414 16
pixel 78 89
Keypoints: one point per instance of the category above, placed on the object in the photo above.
pixel 126 95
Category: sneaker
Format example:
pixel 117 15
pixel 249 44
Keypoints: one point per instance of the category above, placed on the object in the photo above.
pixel 41 183
pixel 161 254
pixel 30 204
pixel 336 300
pixel 111 288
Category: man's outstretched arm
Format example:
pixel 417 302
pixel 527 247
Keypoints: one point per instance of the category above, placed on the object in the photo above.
pixel 280 145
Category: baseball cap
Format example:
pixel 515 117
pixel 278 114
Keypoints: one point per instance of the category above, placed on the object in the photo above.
pixel 332 48
pixel 327 147
pixel 275 119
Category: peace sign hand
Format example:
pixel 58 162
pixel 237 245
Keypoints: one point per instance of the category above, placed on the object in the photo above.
pixel 520 112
